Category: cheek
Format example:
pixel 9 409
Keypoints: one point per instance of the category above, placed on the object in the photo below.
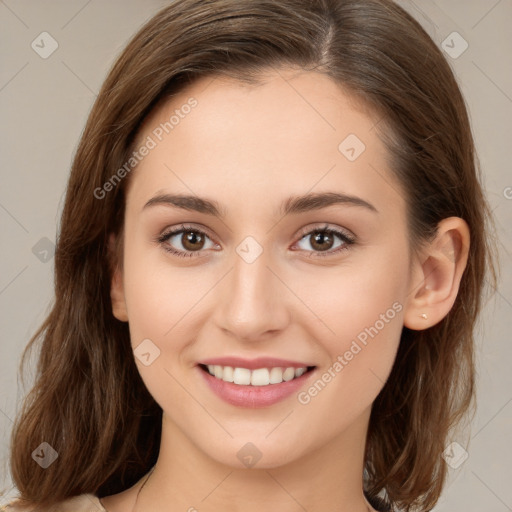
pixel 346 300
pixel 359 320
pixel 166 305
pixel 160 302
pixel 159 297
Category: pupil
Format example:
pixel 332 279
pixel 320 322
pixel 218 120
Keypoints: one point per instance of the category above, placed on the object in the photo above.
pixel 191 239
pixel 319 240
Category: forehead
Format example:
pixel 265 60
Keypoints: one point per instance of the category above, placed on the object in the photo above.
pixel 268 108
pixel 293 132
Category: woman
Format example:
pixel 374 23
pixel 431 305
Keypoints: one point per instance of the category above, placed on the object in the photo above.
pixel 270 262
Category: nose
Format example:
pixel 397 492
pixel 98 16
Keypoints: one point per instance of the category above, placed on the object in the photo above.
pixel 252 301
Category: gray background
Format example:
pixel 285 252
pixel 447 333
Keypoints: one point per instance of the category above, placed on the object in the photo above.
pixel 44 104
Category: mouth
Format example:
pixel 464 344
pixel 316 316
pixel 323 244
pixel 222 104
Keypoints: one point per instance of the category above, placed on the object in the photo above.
pixel 261 377
pixel 254 383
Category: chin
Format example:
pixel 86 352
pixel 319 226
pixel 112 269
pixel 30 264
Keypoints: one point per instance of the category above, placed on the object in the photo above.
pixel 260 453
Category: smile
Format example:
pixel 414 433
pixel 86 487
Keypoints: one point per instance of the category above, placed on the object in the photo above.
pixel 255 383
pixel 256 377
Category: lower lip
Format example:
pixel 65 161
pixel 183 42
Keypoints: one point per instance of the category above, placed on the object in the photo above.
pixel 254 396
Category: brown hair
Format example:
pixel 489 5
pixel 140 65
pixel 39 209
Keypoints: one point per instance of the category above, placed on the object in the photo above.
pixel 89 402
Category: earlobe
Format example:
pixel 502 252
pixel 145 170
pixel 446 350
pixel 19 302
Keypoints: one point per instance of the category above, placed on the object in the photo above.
pixel 437 275
pixel 116 284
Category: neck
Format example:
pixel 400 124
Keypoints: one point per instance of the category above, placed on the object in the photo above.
pixel 327 477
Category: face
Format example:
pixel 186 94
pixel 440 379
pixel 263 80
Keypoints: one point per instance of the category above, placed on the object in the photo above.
pixel 291 251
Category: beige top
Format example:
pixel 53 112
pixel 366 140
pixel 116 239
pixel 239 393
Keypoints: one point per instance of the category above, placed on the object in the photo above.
pixel 82 503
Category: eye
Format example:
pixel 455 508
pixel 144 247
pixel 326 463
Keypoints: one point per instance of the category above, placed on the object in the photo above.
pixel 321 241
pixel 189 241
pixel 184 241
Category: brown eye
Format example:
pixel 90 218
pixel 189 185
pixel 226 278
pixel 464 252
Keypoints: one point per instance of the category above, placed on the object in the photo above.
pixel 322 241
pixel 192 240
pixel 185 241
pixel 325 242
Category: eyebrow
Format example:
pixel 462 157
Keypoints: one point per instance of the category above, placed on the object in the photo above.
pixel 292 205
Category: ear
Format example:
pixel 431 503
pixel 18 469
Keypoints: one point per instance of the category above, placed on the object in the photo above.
pixel 116 285
pixel 437 274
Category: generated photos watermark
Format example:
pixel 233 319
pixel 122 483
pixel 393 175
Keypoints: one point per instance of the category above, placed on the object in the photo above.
pixel 357 345
pixel 151 142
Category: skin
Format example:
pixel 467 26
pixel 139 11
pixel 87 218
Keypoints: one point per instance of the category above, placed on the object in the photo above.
pixel 249 148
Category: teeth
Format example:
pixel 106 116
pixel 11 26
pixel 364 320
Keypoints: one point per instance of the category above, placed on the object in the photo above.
pixel 289 374
pixel 299 371
pixel 259 377
pixel 240 376
pixel 227 374
pixel 276 375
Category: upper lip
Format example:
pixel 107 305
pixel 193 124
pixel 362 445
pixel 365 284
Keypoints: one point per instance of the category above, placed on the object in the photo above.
pixel 254 364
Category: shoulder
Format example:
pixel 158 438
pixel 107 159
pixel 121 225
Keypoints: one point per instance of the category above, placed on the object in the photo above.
pixel 82 503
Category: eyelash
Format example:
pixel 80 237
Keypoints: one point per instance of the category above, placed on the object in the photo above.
pixel 347 240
